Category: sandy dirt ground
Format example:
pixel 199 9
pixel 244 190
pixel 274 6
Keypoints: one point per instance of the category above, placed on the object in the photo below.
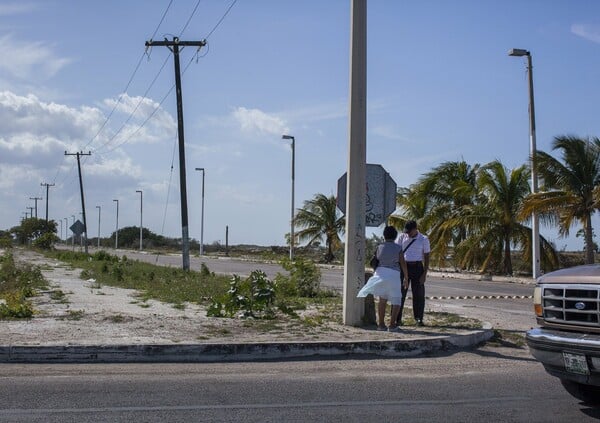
pixel 90 314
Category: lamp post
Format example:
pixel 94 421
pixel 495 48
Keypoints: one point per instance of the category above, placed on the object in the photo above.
pixel 117 227
pixel 36 200
pixel 535 225
pixel 66 219
pixel 73 235
pixel 99 211
pixel 289 137
pixel 141 214
pixel 202 217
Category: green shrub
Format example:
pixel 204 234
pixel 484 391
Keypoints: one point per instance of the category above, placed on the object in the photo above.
pixel 6 242
pixel 45 241
pixel 305 276
pixel 104 256
pixel 251 297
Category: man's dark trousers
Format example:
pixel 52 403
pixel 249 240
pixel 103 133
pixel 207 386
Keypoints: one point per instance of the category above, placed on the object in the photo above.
pixel 415 271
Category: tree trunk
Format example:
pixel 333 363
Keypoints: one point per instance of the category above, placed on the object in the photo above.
pixel 589 239
pixel 329 257
pixel 507 260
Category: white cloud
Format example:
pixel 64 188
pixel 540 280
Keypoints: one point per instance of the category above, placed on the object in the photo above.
pixel 257 121
pixel 137 110
pixel 589 32
pixel 29 60
pixel 36 133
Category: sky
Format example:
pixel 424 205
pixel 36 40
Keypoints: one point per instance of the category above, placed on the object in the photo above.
pixel 75 76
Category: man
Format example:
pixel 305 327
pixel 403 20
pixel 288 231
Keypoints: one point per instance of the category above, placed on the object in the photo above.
pixel 416 250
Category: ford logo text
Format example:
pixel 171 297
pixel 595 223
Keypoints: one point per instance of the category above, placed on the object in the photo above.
pixel 580 306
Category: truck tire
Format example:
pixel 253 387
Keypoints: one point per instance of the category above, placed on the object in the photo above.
pixel 589 394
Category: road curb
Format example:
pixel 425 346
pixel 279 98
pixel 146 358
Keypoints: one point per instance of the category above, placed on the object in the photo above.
pixel 198 353
pixel 483 297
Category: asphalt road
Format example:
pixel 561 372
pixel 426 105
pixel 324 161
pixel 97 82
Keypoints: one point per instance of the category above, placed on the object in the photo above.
pixel 488 384
pixel 333 278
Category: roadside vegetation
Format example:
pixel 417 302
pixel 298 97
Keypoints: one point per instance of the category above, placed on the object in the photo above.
pixel 18 283
pixel 255 297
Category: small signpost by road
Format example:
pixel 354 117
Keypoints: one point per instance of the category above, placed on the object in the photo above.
pixel 381 195
pixel 77 228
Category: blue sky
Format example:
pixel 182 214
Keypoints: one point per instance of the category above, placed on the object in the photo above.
pixel 440 87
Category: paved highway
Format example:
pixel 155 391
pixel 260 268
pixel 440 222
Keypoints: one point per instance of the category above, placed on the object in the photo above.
pixel 488 384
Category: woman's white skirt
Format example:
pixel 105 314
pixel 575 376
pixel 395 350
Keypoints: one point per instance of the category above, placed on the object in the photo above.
pixel 386 284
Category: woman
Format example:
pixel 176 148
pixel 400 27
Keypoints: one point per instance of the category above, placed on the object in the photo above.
pixel 386 283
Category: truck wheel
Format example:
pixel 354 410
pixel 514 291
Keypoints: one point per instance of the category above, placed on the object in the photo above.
pixel 587 393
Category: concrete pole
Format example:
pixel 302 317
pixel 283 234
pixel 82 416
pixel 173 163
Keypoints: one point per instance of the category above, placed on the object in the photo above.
pixel 73 235
pixel 141 215
pixel 99 212
pixel 117 227
pixel 354 265
pixel 535 224
pixel 202 217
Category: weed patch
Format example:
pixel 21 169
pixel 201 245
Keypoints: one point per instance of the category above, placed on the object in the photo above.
pixel 18 282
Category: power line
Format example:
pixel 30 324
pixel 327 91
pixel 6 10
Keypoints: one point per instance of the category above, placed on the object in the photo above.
pixel 130 78
pixel 125 141
pixel 222 19
pixel 148 89
pixel 125 90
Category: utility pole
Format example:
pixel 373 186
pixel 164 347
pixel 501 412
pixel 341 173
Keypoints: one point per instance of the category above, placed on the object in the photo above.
pixel 36 200
pixel 30 211
pixel 354 265
pixel 174 47
pixel 79 154
pixel 47 193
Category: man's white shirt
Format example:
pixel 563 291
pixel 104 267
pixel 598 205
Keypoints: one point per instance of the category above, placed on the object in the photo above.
pixel 417 249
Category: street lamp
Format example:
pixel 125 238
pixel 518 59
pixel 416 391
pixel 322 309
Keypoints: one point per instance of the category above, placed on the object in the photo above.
pixel 535 225
pixel 117 227
pixel 99 211
pixel 202 217
pixel 73 235
pixel 141 214
pixel 289 137
pixel 66 219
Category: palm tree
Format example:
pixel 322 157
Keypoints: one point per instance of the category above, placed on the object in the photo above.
pixel 492 222
pixel 569 188
pixel 436 197
pixel 319 218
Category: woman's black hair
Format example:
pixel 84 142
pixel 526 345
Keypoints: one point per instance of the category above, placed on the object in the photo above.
pixel 390 233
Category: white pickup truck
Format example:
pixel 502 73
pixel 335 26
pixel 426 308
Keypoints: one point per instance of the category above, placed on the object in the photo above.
pixel 567 343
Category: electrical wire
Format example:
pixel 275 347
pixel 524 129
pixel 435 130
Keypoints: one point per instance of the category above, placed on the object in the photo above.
pixel 130 78
pixel 162 229
pixel 137 66
pixel 190 18
pixel 222 19
pixel 147 90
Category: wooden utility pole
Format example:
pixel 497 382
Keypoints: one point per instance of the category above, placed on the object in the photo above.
pixel 79 154
pixel 174 47
pixel 47 193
